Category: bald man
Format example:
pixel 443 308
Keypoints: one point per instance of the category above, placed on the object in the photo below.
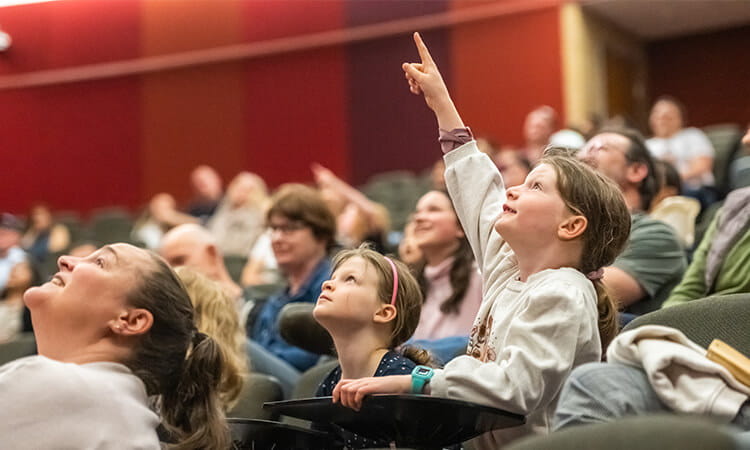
pixel 195 247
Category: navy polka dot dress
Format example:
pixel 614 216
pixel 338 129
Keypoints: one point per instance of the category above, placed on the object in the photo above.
pixel 392 363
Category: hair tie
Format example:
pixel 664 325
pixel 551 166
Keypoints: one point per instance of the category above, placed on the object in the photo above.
pixel 197 337
pixel 596 274
pixel 395 279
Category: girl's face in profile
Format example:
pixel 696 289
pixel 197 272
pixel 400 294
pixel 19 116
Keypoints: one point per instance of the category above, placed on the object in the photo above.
pixel 350 297
pixel 534 208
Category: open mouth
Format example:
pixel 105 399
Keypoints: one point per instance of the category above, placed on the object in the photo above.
pixel 507 208
pixel 57 281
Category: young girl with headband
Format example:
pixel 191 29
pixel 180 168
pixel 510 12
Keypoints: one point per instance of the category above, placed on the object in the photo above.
pixel 540 247
pixel 371 305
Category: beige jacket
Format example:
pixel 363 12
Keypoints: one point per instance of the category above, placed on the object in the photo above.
pixel 683 378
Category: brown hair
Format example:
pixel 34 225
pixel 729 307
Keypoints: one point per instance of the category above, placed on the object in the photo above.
pixel 177 362
pixel 638 153
pixel 594 196
pixel 408 298
pixel 304 204
pixel 216 316
pixel 460 272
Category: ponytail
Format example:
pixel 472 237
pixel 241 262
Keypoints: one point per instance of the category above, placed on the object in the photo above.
pixel 193 412
pixel 607 323
pixel 179 366
pixel 419 355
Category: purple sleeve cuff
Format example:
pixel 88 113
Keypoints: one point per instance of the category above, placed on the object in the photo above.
pixel 451 140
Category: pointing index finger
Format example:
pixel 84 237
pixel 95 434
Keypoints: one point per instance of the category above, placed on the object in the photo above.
pixel 422 49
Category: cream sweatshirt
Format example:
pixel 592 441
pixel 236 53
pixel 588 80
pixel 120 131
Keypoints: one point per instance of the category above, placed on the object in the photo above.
pixel 527 336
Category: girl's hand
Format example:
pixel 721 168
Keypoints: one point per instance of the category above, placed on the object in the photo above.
pixel 424 78
pixel 350 393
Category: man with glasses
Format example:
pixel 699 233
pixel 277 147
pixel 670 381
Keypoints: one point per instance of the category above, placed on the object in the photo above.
pixel 653 263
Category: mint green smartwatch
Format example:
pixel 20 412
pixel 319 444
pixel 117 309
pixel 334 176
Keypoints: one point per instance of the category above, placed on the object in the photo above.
pixel 420 376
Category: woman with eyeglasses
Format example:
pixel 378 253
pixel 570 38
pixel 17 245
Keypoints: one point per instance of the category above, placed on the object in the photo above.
pixel 302 233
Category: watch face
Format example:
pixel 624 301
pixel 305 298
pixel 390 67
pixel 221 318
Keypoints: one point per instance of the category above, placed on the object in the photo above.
pixel 423 371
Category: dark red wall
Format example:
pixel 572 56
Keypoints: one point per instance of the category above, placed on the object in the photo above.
pixel 120 140
pixel 709 73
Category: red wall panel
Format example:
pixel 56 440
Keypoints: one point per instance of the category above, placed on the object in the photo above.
pixel 297 115
pixel 504 67
pixel 191 117
pixel 194 115
pixel 391 129
pixel 68 33
pixel 273 19
pixel 709 73
pixel 74 146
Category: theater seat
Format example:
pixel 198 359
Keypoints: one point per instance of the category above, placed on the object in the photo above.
pixel 725 317
pixel 655 432
pixel 299 328
pixel 258 389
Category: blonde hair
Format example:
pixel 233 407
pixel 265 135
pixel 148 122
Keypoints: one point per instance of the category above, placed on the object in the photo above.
pixel 594 196
pixel 216 316
pixel 408 297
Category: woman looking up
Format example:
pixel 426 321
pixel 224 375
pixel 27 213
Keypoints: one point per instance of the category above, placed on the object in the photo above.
pixel 113 329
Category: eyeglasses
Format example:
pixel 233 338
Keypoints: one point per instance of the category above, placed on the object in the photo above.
pixel 288 227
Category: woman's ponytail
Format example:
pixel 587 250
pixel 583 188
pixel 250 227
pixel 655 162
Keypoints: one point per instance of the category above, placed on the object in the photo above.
pixel 193 413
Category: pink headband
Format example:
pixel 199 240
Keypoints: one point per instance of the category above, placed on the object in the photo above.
pixel 395 279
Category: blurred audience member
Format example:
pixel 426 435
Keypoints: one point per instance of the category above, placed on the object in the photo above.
pixel 437 176
pixel 654 260
pixel 447 275
pixel 720 262
pixel 43 236
pixel 160 217
pixel 10 253
pixel 302 232
pixel 358 219
pixel 216 316
pixel 207 192
pixel 22 276
pixel 537 130
pixel 261 267
pixel 488 146
pixel 193 246
pixel 408 250
pixel 567 138
pixel 687 148
pixel 590 126
pixel 238 221
pixel 82 249
pixel 513 166
pixel 674 209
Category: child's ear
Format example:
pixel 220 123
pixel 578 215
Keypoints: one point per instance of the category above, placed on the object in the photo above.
pixel 385 313
pixel 572 227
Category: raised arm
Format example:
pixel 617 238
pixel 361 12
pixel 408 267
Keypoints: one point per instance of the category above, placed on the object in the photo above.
pixel 424 78
pixel 376 214
pixel 474 183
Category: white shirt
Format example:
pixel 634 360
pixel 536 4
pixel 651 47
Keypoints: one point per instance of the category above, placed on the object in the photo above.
pixel 680 149
pixel 50 404
pixel 14 256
